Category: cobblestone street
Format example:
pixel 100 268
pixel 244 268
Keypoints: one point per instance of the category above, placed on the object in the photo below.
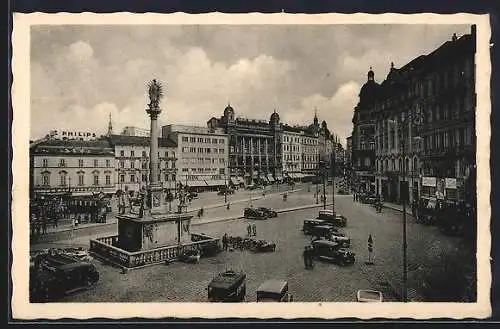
pixel 327 282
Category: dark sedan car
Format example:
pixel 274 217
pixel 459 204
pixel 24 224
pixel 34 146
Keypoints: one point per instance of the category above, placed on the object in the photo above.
pixel 332 252
pixel 269 212
pixel 254 213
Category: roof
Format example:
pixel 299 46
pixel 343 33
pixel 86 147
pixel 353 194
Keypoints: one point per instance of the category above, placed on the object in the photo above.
pixel 274 286
pixel 74 147
pixel 140 141
pixel 226 279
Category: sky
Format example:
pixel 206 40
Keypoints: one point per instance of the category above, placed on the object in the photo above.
pixel 80 74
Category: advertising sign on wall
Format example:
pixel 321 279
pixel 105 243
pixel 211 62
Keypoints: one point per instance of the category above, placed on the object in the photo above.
pixel 428 181
pixel 451 183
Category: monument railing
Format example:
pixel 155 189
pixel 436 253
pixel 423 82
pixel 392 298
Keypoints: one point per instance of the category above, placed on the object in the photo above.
pixel 106 247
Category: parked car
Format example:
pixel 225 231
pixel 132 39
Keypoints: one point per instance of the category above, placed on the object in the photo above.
pixel 269 212
pixel 251 187
pixel 228 286
pixel 323 231
pixel 192 194
pixel 254 213
pixel 190 256
pixel 341 239
pixel 263 246
pixel 332 217
pixel 367 295
pixel 342 192
pixel 332 252
pixel 310 223
pixel 274 291
pixel 51 283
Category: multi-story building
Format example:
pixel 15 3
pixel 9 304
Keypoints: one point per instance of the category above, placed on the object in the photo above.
pixel 255 152
pixel 132 162
pixel 310 153
pixel 203 156
pixel 76 166
pixel 135 131
pixel 363 143
pixel 431 103
pixel 448 98
pixel 291 150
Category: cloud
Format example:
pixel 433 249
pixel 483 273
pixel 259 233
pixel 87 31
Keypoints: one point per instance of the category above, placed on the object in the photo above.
pixel 80 74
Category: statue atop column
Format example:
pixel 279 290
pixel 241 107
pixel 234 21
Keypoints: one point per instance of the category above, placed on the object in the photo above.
pixel 155 90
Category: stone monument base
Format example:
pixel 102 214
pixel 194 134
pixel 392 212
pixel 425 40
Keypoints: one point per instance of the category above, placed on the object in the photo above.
pixel 153 231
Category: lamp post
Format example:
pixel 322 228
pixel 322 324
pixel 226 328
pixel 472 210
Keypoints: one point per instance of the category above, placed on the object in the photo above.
pixel 413 120
pixel 317 181
pixel 333 180
pixel 225 188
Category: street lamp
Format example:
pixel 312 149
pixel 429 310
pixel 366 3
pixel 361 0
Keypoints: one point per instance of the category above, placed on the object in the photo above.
pixel 225 188
pixel 333 179
pixel 409 119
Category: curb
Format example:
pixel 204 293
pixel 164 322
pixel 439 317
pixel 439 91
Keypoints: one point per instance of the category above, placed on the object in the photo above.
pixel 279 211
pixel 397 209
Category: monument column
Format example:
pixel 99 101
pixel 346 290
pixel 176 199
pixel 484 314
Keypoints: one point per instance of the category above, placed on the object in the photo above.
pixel 155 190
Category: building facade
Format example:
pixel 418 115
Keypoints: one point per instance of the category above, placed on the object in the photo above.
pixel 363 143
pixel 132 161
pixel 203 156
pixel 76 166
pixel 291 150
pixel 255 152
pixel 425 119
pixel 310 153
pixel 135 131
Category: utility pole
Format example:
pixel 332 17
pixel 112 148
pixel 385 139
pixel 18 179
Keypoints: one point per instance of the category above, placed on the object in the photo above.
pixel 325 176
pixel 405 261
pixel 333 181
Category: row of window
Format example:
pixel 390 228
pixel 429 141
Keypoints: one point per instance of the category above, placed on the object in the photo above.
pixel 293 148
pixel 81 163
pixel 221 170
pixel 63 179
pixel 451 138
pixel 386 165
pixel 145 154
pixel 145 165
pixel 144 178
pixel 203 150
pixel 203 161
pixel 203 140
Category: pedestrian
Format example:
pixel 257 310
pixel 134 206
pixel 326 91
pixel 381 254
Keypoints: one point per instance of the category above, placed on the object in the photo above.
pixel 224 241
pixel 311 257
pixel 44 225
pixel 254 229
pixel 249 229
pixel 354 197
pixel 227 207
pixel 305 255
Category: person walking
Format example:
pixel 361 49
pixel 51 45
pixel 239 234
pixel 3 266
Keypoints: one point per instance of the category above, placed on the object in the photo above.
pixel 311 257
pixel 254 229
pixel 305 255
pixel 228 206
pixel 224 241
pixel 249 229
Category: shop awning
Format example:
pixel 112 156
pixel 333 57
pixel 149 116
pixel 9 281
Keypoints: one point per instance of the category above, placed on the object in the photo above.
pixel 299 175
pixel 216 182
pixel 196 183
pixel 292 175
pixel 234 180
pixel 241 180
pixel 270 177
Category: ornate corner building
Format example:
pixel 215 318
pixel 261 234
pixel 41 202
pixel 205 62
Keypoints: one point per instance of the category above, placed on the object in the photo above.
pixel 418 127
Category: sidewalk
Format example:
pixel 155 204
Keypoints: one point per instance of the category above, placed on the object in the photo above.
pixel 65 230
pixel 398 207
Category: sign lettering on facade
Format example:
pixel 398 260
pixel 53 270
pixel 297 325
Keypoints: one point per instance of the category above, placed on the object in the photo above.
pixel 429 181
pixel 451 183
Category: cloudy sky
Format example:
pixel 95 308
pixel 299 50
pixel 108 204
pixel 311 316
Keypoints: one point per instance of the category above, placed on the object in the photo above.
pixel 81 74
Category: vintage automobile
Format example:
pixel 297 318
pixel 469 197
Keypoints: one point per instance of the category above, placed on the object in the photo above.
pixel 51 282
pixel 190 256
pixel 269 212
pixel 332 252
pixel 310 223
pixel 251 187
pixel 322 231
pixel 254 213
pixel 341 239
pixel 333 218
pixel 369 296
pixel 274 291
pixel 263 246
pixel 228 286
